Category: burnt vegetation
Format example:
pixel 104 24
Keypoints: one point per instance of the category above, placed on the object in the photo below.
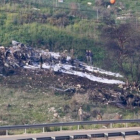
pixel 115 44
pixel 14 75
pixel 122 43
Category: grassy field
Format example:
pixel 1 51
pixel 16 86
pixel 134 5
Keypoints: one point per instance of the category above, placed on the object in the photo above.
pixel 19 107
pixel 27 99
pixel 31 107
pixel 24 103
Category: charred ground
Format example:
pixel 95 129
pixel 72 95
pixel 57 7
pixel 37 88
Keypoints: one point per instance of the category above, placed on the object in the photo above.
pixel 44 80
pixel 33 94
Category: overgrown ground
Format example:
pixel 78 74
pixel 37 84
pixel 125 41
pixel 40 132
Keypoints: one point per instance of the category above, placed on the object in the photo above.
pixel 29 98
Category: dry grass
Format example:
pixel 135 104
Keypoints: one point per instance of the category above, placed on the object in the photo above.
pixel 20 107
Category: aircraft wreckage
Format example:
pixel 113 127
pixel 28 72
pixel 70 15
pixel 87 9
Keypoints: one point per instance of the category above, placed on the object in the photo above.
pixel 20 56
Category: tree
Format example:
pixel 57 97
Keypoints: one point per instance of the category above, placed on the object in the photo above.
pixel 122 41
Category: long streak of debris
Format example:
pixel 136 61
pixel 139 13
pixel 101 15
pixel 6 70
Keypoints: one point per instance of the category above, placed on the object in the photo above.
pixel 21 56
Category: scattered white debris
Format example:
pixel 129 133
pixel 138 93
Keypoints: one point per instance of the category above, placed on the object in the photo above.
pixel 52 109
pixel 69 69
pixel 14 43
pixel 55 115
pixel 55 55
pixel 89 3
pixel 95 69
pixel 68 58
pixel 94 78
pixel 108 6
pixel 46 66
pixel 2 47
pixel 57 67
pixel 36 9
pixel 31 67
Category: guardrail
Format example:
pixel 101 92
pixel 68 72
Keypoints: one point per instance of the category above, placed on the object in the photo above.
pixel 89 136
pixel 61 124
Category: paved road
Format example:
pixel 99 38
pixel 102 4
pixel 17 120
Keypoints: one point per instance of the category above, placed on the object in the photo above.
pixel 67 133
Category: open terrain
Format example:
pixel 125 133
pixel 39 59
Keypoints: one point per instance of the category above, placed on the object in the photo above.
pixel 29 96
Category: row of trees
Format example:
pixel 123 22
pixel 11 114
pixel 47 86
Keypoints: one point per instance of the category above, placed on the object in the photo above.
pixel 122 43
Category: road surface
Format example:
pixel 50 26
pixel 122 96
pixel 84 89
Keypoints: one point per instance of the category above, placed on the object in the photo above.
pixel 67 133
